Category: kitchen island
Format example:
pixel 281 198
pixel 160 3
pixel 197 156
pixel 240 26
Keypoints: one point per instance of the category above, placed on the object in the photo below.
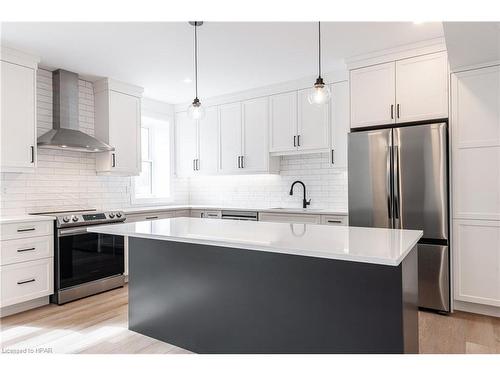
pixel 221 286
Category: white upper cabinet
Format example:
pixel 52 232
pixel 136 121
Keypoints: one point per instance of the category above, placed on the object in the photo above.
pixel 476 143
pixel 373 95
pixel 118 123
pixel 283 122
pixel 339 124
pixel 255 135
pixel 208 141
pixel 422 88
pixel 412 89
pixel 18 113
pixel 186 144
pixel 230 137
pixel 313 124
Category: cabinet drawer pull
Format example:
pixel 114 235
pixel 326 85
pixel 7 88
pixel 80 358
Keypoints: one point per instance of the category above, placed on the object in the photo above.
pixel 26 229
pixel 335 221
pixel 151 217
pixel 25 281
pixel 27 249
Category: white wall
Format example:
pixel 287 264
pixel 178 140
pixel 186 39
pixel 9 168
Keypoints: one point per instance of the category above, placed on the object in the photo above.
pixel 66 180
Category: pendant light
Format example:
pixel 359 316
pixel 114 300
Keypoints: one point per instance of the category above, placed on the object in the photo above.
pixel 196 110
pixel 319 94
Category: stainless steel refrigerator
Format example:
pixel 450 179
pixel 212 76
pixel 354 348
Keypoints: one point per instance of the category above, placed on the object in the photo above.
pixel 398 178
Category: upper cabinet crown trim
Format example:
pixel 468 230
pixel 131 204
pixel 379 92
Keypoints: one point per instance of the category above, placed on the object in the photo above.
pixel 398 53
pixel 113 85
pixel 18 57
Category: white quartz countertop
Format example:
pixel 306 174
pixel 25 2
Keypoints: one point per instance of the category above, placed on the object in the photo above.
pixel 285 210
pixel 357 244
pixel 24 218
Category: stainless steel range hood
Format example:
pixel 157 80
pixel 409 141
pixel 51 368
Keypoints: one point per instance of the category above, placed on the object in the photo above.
pixel 65 134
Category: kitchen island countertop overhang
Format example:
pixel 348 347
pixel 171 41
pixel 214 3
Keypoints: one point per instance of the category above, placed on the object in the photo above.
pixel 356 244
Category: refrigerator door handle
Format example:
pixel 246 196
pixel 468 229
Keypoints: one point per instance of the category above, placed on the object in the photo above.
pixel 389 183
pixel 397 205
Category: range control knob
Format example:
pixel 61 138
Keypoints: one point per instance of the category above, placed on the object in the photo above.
pixel 74 218
pixel 111 215
pixel 118 214
pixel 66 219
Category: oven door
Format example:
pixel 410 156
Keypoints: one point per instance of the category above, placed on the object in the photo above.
pixel 82 257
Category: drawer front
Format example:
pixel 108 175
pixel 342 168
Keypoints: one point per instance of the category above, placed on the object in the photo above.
pixel 150 216
pixel 25 249
pixel 289 218
pixel 14 231
pixel 25 281
pixel 333 220
pixel 181 213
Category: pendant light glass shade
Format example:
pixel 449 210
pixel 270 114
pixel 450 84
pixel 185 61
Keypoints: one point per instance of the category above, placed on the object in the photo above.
pixel 319 93
pixel 196 111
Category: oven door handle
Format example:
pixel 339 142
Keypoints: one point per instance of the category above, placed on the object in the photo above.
pixel 71 232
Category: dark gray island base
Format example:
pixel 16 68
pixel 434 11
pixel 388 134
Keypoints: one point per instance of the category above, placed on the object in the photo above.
pixel 210 299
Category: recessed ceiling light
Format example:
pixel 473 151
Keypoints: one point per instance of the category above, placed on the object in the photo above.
pixel 187 80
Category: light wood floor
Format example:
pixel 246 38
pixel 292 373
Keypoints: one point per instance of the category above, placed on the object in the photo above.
pixel 98 324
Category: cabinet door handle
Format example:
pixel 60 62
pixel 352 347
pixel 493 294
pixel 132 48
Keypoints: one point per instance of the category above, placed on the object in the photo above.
pixel 397 111
pixel 32 151
pixel 333 157
pixel 298 140
pixel 113 160
pixel 294 141
pixel 194 164
pixel 25 281
pixel 242 161
pixel 239 161
pixel 198 164
pixel 26 229
pixel 27 249
pixel 392 111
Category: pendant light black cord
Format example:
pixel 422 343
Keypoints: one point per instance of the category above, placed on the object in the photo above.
pixel 319 48
pixel 196 59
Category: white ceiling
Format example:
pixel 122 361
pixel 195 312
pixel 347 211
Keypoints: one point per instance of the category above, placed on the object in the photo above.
pixel 233 56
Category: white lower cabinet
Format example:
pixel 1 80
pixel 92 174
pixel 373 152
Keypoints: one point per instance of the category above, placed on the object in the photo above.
pixel 477 261
pixel 26 262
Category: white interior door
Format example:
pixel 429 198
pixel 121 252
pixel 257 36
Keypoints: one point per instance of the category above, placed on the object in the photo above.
pixel 186 144
pixel 255 135
pixel 230 137
pixel 339 124
pixel 422 88
pixel 373 95
pixel 124 132
pixel 18 130
pixel 283 122
pixel 209 141
pixel 313 124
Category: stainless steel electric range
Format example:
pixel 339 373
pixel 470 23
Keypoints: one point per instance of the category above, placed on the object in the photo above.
pixel 85 263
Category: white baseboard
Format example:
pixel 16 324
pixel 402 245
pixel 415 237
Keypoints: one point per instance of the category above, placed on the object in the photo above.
pixel 23 306
pixel 477 308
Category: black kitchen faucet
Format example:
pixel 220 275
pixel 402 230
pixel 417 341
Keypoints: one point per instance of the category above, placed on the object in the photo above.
pixel 305 202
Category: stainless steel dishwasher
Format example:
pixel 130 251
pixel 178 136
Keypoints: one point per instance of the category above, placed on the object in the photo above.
pixel 240 215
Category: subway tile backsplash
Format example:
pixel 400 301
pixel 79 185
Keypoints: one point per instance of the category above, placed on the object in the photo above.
pixel 66 180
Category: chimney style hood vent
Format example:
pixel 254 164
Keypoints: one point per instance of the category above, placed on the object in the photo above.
pixel 65 134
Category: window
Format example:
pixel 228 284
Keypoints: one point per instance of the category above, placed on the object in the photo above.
pixel 153 184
